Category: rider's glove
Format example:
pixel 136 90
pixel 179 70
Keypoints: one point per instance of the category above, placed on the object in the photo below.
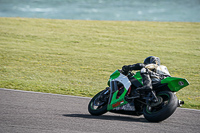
pixel 125 69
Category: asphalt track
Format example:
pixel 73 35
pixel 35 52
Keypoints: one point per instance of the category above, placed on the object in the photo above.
pixel 30 112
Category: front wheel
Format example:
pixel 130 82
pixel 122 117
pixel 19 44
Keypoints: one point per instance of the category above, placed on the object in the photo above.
pixel 98 104
pixel 163 110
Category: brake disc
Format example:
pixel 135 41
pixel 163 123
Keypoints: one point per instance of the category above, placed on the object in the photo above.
pixel 98 101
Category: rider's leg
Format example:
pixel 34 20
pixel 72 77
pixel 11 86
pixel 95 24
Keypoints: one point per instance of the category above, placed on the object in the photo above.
pixel 147 83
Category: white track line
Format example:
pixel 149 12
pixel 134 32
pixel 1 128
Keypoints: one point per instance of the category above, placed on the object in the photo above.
pixel 44 93
pixel 65 95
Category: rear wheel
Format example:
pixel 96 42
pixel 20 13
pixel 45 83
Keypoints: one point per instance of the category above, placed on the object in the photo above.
pixel 98 104
pixel 167 104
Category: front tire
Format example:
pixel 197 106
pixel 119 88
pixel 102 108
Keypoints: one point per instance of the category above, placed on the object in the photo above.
pixel 164 110
pixel 97 105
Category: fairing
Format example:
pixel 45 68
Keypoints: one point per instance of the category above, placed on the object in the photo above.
pixel 174 84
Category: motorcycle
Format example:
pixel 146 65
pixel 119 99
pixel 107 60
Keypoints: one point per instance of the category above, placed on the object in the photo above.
pixel 155 105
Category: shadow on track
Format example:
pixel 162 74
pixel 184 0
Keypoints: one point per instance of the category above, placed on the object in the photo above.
pixel 107 117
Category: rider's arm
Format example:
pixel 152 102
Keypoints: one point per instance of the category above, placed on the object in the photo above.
pixel 137 66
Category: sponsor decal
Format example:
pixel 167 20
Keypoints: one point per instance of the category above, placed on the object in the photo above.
pixel 117 104
pixel 181 83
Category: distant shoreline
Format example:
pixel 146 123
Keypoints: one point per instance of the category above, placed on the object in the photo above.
pixel 112 10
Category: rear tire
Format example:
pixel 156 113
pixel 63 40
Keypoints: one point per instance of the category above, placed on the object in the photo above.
pixel 93 108
pixel 164 110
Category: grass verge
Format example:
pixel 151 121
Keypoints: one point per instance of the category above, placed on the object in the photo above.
pixel 76 57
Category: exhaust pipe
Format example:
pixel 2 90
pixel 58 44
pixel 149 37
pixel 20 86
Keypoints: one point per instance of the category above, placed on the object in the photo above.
pixel 180 103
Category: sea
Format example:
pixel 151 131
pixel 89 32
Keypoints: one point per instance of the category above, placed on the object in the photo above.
pixel 114 10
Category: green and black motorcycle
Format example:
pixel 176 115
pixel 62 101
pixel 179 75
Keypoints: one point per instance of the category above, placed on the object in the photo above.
pixel 156 105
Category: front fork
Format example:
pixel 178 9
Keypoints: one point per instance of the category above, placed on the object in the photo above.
pixel 107 91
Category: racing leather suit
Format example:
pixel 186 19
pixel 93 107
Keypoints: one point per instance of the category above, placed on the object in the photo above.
pixel 150 73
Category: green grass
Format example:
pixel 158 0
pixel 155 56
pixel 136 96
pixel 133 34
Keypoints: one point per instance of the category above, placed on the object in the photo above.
pixel 76 57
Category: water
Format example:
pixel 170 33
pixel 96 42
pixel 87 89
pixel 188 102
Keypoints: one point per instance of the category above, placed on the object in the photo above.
pixel 133 10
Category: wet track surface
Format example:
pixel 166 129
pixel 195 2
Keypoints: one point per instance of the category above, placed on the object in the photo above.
pixel 28 112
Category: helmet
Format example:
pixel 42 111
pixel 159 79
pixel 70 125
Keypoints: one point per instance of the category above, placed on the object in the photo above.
pixel 152 60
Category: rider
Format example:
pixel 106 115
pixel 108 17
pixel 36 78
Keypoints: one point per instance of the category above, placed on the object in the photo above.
pixel 151 72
